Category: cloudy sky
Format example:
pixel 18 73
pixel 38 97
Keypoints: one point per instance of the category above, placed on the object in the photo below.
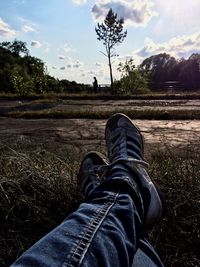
pixel 61 32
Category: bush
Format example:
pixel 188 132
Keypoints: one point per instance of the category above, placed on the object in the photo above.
pixel 133 81
pixel 132 84
pixel 21 86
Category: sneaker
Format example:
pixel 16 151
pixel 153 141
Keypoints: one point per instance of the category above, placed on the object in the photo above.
pixel 91 171
pixel 126 148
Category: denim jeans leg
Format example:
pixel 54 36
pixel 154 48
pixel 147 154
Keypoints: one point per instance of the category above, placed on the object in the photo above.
pixel 104 232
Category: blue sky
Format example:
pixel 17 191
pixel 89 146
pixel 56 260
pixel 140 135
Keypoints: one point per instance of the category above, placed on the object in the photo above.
pixel 61 32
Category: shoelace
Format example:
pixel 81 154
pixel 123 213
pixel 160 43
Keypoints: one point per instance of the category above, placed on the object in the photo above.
pixel 131 163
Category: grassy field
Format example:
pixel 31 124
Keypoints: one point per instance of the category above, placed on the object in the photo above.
pixel 89 114
pixel 105 96
pixel 58 108
pixel 39 189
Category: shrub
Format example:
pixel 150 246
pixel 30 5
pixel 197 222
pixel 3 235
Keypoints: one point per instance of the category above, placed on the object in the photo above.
pixel 133 81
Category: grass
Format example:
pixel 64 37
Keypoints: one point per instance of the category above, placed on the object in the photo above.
pixel 38 189
pixel 106 96
pixel 47 106
pixel 177 238
pixel 148 114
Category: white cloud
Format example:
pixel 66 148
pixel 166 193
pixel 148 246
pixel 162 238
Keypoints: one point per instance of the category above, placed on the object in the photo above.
pixel 46 47
pixel 36 44
pixel 61 57
pixel 79 2
pixel 28 28
pixel 47 50
pixel 98 64
pixel 72 65
pixel 135 13
pixel 68 48
pixel 6 30
pixel 181 46
pixel 78 64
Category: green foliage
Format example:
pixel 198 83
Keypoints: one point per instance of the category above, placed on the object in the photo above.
pixel 20 74
pixel 127 67
pixel 17 47
pixel 133 81
pixel 112 34
pixel 25 75
pixel 21 85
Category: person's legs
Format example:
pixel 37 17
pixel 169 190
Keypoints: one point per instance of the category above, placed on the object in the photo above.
pixel 126 153
pixel 102 232
pixel 108 228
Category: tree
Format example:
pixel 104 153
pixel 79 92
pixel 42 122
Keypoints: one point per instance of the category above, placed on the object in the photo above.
pixel 189 72
pixel 17 48
pixel 19 72
pixel 160 68
pixel 163 68
pixel 112 34
pixel 133 80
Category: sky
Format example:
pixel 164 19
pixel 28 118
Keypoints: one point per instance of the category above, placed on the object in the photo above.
pixel 62 32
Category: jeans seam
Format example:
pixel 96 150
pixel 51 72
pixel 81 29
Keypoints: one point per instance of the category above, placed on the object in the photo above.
pixel 86 237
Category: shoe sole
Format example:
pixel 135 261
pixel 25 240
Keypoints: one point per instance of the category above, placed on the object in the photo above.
pixel 99 157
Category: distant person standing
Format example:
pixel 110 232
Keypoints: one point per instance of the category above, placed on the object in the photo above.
pixel 95 85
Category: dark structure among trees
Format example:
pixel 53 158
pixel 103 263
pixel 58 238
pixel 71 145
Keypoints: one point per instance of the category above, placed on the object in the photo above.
pixel 112 34
pixel 165 71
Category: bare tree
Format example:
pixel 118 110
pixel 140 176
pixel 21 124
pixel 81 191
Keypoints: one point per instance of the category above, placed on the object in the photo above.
pixel 112 34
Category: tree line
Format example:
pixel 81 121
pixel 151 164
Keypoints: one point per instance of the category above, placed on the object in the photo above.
pixel 163 68
pixel 23 74
pixel 156 72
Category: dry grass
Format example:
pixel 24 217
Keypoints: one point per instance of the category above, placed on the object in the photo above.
pixel 38 189
pixel 106 96
pixel 177 237
pixel 147 114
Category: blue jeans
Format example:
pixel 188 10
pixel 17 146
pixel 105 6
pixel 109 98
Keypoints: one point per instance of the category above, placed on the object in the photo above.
pixel 105 231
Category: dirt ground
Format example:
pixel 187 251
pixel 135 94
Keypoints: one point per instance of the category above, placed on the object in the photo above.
pixel 54 134
pixel 87 134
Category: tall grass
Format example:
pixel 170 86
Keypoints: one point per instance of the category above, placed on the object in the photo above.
pixel 39 189
pixel 177 237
